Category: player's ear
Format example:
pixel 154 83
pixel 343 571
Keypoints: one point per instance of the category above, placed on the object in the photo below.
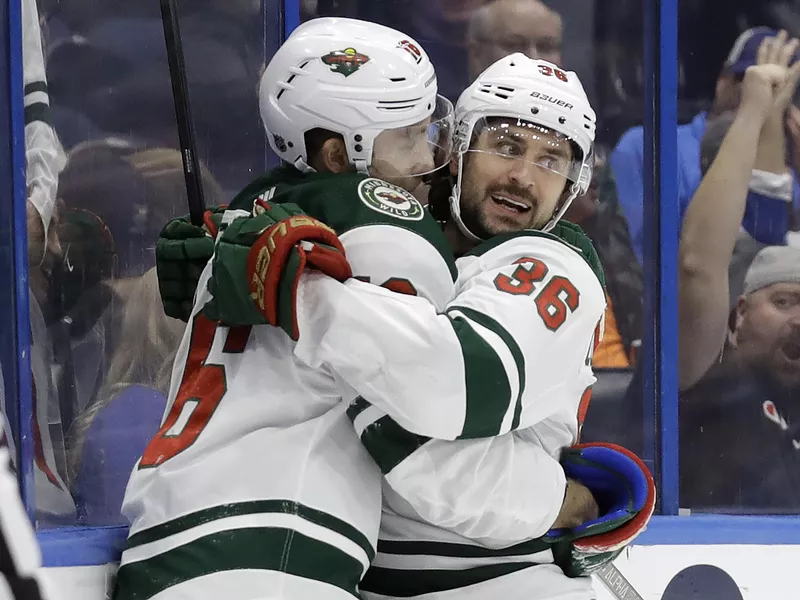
pixel 333 155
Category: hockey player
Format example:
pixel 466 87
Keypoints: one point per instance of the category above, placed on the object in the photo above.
pixel 477 518
pixel 270 494
pixel 530 496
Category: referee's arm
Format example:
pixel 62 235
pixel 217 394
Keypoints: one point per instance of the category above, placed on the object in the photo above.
pixel 20 557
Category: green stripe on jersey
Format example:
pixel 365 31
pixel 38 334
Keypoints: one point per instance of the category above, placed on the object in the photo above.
pixel 258 548
pixel 428 548
pixel 513 347
pixel 224 511
pixel 356 407
pixel 487 385
pixel 389 444
pixel 402 583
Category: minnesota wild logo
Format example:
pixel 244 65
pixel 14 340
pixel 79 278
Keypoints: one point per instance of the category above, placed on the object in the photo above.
pixel 346 61
pixel 389 199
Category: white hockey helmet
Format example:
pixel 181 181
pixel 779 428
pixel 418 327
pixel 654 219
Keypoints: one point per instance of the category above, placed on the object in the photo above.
pixel 357 79
pixel 535 92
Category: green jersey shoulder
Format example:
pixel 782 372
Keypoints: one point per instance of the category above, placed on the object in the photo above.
pixel 346 201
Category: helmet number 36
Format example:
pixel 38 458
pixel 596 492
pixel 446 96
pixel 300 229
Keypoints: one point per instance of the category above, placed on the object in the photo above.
pixel 550 71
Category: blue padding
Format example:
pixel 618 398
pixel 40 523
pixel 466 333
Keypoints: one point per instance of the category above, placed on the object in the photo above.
pixel 767 218
pixel 611 471
pixel 720 529
pixel 81 546
pixel 611 476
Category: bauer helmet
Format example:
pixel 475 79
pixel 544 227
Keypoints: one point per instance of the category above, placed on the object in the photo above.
pixel 542 96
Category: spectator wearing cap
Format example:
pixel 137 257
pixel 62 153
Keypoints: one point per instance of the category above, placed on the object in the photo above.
pixel 627 159
pixel 739 367
pixel 740 424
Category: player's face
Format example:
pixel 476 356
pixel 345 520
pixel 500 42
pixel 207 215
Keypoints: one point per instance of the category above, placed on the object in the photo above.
pixel 515 176
pixel 404 155
pixel 768 331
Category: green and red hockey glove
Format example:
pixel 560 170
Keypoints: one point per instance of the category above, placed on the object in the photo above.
pixel 182 252
pixel 625 494
pixel 280 244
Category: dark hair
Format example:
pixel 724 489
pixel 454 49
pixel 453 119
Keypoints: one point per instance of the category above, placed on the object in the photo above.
pixel 315 139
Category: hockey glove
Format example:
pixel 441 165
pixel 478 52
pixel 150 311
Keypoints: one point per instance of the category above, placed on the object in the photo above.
pixel 182 252
pixel 259 261
pixel 625 494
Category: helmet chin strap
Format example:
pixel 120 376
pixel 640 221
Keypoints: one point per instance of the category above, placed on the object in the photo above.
pixel 455 204
pixel 583 177
pixel 303 166
pixel 360 164
pixel 559 214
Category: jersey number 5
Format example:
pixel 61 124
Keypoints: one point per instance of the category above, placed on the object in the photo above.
pixel 199 394
pixel 555 301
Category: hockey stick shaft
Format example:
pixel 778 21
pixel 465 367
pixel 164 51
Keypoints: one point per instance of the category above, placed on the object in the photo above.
pixel 183 113
pixel 616 583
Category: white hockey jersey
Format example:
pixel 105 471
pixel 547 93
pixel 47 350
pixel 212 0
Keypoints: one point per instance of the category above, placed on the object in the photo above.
pixel 462 519
pixel 256 485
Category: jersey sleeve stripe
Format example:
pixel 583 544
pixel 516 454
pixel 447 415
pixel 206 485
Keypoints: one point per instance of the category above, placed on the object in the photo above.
pixel 225 511
pixel 372 415
pixel 257 548
pixel 450 549
pixel 403 583
pixel 358 406
pixel 389 444
pixel 491 355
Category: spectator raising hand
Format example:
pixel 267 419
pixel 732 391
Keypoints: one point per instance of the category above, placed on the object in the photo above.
pixel 774 52
pixel 754 47
pixel 715 213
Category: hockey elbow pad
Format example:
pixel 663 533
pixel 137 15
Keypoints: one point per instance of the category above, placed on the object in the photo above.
pixel 625 494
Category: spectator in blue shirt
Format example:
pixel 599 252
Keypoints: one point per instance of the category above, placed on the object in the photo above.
pixel 627 159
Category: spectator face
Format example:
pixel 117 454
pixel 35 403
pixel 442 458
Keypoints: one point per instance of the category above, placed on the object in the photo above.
pixel 452 10
pixel 768 331
pixel 508 26
pixel 727 94
pixel 515 174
